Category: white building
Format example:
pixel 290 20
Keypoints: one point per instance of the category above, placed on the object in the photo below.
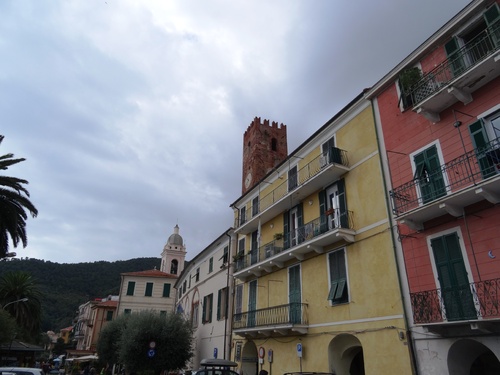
pixel 204 296
pixel 154 289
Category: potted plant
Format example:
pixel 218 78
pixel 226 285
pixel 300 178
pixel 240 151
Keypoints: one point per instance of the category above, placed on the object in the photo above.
pixel 409 77
pixel 278 236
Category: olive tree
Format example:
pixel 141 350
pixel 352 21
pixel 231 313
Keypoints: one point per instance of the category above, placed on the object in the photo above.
pixel 147 342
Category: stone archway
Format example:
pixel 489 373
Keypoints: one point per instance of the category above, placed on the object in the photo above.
pixel 249 359
pixel 470 357
pixel 345 355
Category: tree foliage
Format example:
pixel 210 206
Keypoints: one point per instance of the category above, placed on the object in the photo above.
pixel 14 202
pixel 7 327
pixel 66 286
pixel 128 342
pixel 15 286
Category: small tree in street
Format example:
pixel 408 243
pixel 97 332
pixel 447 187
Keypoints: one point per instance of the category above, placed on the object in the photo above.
pixel 147 342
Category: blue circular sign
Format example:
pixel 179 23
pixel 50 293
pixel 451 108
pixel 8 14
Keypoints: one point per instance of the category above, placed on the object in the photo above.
pixel 151 353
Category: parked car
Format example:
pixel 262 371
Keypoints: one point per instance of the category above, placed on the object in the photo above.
pixel 20 371
pixel 216 367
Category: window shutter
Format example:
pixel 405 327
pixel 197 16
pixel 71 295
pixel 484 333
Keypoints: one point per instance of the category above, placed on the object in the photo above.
pixel 203 310
pixel 166 290
pixel 457 63
pixel 322 209
pixel 492 14
pixel 481 142
pixel 211 306
pixel 344 218
pixel 219 304
pixel 286 230
pixel 300 220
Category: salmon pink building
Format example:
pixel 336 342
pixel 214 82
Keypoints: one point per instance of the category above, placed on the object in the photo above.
pixel 438 120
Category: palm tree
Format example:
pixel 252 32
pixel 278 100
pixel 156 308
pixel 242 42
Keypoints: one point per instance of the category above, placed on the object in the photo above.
pixel 14 286
pixel 13 206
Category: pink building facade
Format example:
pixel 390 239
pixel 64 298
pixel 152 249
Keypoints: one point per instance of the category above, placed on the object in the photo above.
pixel 438 118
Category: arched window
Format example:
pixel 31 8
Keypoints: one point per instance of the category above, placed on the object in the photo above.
pixel 173 267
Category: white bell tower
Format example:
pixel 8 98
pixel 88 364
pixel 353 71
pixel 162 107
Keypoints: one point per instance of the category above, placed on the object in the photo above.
pixel 173 254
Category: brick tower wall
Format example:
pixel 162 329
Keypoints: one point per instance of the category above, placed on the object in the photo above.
pixel 264 147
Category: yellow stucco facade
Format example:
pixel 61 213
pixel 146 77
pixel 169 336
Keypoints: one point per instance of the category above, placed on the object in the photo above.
pixel 331 284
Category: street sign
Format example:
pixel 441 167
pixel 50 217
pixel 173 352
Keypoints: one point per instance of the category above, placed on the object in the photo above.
pixel 151 353
pixel 299 350
pixel 215 352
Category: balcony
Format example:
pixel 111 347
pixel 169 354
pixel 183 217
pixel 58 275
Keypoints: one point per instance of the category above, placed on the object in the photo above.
pixel 472 177
pixel 310 237
pixel 467 310
pixel 283 320
pixel 313 176
pixel 471 67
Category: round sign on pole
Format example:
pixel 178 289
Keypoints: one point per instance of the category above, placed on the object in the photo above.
pixel 299 350
pixel 151 353
pixel 152 344
pixel 262 352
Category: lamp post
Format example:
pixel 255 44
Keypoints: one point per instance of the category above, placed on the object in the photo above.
pixel 16 301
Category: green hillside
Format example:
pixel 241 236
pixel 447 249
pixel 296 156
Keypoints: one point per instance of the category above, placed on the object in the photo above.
pixel 68 285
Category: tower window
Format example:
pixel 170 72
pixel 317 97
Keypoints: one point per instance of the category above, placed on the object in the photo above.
pixel 249 143
pixel 274 144
pixel 173 267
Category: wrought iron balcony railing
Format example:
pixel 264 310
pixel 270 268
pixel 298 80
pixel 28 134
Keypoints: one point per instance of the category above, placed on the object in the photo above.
pixel 290 314
pixel 335 219
pixel 476 50
pixel 306 173
pixel 480 299
pixel 467 169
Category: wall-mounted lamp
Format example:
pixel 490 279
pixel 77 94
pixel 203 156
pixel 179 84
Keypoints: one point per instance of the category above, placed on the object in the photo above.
pixel 271 226
pixel 310 202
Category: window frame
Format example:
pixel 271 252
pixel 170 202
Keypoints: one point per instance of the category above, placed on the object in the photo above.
pixel 207 308
pixel 166 290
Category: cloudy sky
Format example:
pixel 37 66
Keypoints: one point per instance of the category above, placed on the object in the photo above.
pixel 131 114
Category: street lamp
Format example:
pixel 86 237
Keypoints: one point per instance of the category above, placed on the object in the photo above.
pixel 16 301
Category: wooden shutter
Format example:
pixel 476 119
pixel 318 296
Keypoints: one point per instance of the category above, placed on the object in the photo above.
pixel 286 230
pixel 452 49
pixel 481 143
pixel 323 223
pixel 344 218
pixel 300 224
pixel 219 296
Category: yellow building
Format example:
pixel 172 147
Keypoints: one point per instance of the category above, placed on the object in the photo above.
pixel 317 287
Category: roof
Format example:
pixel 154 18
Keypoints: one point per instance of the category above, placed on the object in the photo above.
pixel 19 346
pixel 107 304
pixel 150 273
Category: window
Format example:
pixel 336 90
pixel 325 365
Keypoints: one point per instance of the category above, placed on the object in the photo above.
pixel 428 174
pixel 210 265
pixel 274 144
pixel 166 290
pixel 174 266
pixel 292 178
pixel 149 290
pixel 485 135
pixel 222 304
pixel 293 227
pixel 238 302
pixel 338 277
pixel 243 215
pixel 333 208
pixel 254 250
pixel 475 42
pixel 127 311
pixel 255 206
pixel 194 314
pixel 184 286
pixel 130 288
pixel 330 153
pixel 207 309
pixel 109 315
pixel 408 80
pixel 226 255
pixel 197 276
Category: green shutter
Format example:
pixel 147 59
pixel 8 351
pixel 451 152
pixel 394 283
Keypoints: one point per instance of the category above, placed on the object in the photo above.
pixel 149 290
pixel 452 49
pixel 429 174
pixel 294 294
pixel 300 221
pixel 323 223
pixel 338 277
pixel 492 17
pixel 218 303
pixel 286 230
pixel 481 144
pixel 453 279
pixel 166 290
pixel 344 218
pixel 130 288
pixel 203 310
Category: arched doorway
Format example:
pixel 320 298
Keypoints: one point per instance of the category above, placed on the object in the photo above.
pixel 249 359
pixel 345 355
pixel 470 357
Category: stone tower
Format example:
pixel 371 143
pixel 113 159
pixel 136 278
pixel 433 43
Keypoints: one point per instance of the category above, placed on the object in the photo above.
pixel 173 254
pixel 264 147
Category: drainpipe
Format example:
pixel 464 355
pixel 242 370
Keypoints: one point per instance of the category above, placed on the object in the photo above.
pixel 230 287
pixel 394 247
